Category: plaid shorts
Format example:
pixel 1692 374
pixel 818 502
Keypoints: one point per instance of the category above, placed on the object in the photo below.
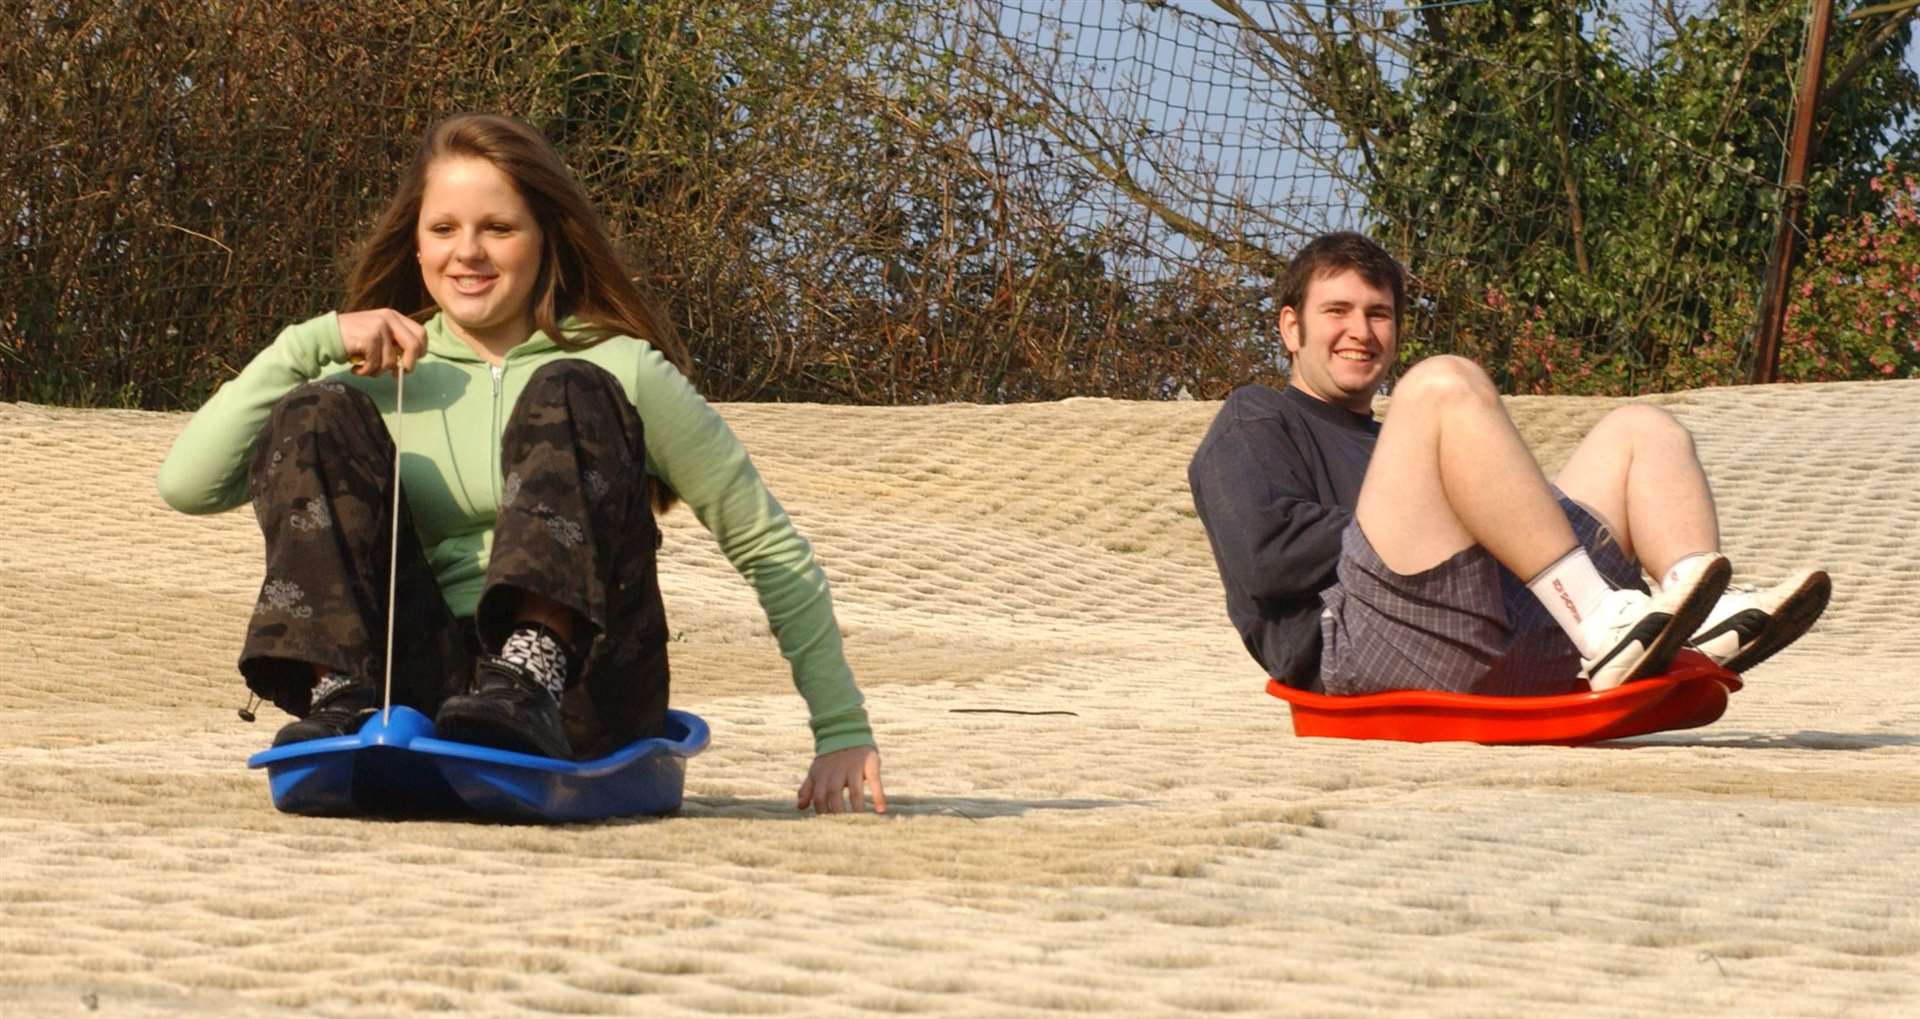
pixel 1467 625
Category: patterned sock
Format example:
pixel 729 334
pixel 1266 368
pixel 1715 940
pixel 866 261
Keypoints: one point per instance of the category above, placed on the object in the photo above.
pixel 330 684
pixel 540 651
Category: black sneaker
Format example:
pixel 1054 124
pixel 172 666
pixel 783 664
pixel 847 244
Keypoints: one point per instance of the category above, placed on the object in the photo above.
pixel 340 713
pixel 508 709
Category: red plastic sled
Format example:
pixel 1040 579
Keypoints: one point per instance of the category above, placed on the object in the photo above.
pixel 1693 693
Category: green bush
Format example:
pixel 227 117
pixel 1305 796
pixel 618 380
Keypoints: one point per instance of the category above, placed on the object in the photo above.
pixel 1855 308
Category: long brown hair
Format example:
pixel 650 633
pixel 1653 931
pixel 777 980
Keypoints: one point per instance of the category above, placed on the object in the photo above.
pixel 580 272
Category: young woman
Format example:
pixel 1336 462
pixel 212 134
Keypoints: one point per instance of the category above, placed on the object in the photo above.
pixel 547 420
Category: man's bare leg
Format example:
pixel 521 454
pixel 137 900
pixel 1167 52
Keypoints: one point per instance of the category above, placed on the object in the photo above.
pixel 1638 472
pixel 1450 472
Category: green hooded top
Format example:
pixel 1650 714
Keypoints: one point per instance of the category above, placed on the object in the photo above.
pixel 457 405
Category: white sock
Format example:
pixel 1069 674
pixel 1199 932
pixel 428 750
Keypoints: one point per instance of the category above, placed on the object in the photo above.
pixel 1682 569
pixel 1572 591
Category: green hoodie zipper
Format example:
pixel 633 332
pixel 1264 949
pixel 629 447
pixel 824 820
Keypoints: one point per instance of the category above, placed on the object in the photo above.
pixel 499 372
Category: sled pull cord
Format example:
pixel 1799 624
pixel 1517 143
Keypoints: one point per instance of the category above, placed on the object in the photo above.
pixel 393 553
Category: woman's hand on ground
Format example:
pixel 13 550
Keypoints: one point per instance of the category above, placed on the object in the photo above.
pixel 838 779
pixel 381 338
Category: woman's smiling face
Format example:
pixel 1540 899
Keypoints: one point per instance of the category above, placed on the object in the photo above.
pixel 480 249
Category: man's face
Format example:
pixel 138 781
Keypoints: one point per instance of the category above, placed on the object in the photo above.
pixel 1342 340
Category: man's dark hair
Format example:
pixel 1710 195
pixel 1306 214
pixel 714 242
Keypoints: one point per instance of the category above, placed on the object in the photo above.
pixel 1333 253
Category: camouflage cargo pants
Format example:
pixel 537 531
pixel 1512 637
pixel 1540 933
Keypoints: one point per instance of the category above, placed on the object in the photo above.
pixel 574 526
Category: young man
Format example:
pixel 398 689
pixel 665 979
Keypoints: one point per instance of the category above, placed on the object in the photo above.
pixel 1432 553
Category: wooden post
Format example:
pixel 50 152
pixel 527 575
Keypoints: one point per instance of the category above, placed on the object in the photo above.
pixel 1773 302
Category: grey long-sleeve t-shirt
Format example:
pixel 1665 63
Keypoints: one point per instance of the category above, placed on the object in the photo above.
pixel 1275 483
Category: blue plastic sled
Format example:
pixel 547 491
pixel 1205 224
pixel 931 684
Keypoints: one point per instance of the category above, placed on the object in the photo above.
pixel 393 765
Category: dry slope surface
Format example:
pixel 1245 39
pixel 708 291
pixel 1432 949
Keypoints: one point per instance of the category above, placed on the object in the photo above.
pixel 1169 848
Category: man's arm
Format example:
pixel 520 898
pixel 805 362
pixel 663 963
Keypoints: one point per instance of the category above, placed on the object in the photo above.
pixel 1271 535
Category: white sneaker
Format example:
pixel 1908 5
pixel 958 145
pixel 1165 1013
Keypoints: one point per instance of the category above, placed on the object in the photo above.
pixel 1642 633
pixel 1747 626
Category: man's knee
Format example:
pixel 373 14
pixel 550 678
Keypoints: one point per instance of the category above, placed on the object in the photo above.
pixel 1640 422
pixel 1445 377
